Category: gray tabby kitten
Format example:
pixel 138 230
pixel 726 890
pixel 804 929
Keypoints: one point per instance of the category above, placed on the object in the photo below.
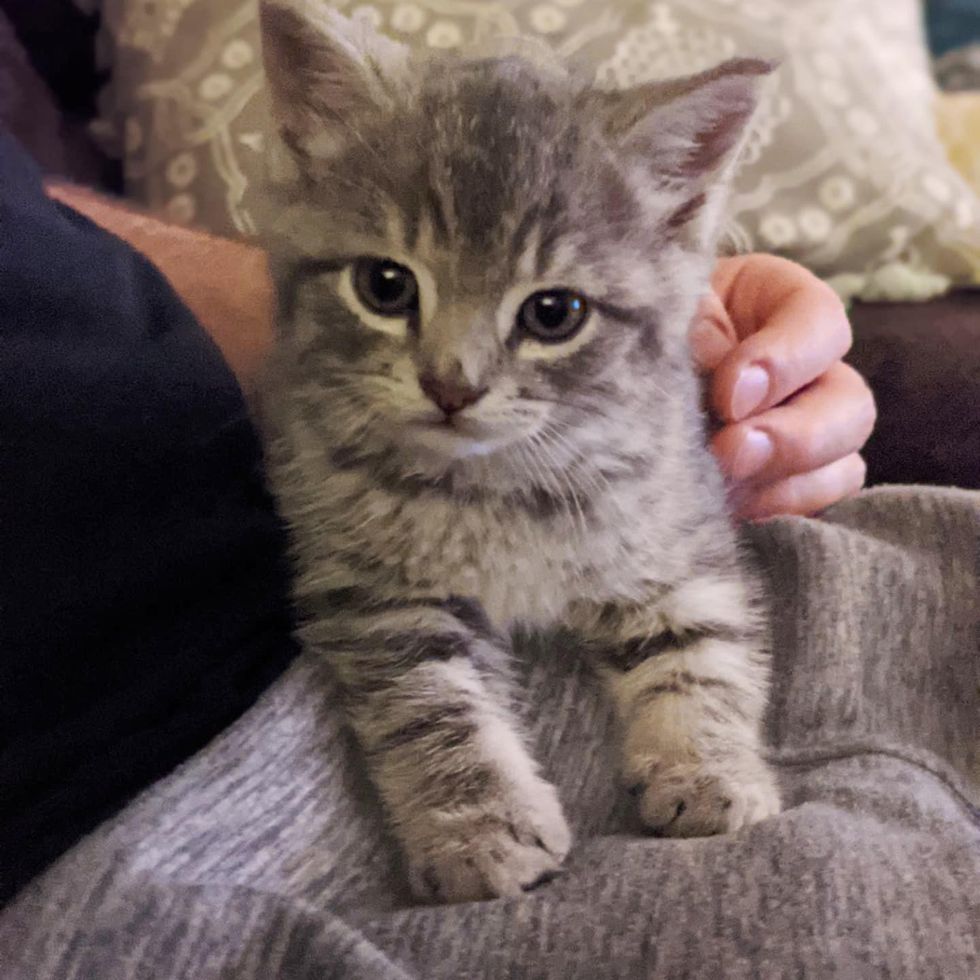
pixel 482 415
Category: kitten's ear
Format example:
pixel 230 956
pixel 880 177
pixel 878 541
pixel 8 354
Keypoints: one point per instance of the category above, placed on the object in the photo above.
pixel 324 70
pixel 687 133
pixel 686 128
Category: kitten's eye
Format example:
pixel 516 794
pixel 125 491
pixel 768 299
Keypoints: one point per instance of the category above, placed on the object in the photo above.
pixel 386 287
pixel 553 316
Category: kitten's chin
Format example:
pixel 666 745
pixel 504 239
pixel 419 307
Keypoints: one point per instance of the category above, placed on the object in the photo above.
pixel 440 442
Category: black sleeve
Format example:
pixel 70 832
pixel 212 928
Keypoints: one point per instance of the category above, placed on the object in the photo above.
pixel 143 584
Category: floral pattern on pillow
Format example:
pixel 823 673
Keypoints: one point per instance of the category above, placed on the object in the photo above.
pixel 844 172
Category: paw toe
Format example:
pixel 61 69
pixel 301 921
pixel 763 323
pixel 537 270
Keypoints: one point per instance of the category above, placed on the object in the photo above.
pixel 690 802
pixel 542 879
pixel 500 860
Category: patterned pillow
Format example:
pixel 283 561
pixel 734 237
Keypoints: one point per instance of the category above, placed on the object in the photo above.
pixel 845 171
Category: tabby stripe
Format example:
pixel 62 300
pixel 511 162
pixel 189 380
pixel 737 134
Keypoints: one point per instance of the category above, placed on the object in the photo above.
pixel 630 654
pixel 686 212
pixel 463 786
pixel 731 696
pixel 641 316
pixel 438 213
pixel 551 233
pixel 539 503
pixel 351 598
pixel 445 729
pixel 401 651
pixel 357 599
pixel 470 613
pixel 522 234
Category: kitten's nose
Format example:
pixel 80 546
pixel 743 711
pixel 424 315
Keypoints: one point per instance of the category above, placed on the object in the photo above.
pixel 450 396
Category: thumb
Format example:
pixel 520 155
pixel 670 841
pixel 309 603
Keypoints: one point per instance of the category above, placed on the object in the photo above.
pixel 712 333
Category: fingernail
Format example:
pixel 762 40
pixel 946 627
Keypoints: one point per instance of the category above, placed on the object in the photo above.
pixel 752 455
pixel 751 388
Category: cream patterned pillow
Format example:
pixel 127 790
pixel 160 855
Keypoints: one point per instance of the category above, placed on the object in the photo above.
pixel 845 171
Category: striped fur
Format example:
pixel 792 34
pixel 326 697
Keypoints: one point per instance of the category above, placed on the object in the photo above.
pixel 576 492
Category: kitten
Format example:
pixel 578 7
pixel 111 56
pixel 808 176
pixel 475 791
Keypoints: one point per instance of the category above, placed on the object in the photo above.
pixel 482 414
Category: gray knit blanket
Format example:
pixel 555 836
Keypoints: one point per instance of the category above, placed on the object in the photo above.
pixel 265 857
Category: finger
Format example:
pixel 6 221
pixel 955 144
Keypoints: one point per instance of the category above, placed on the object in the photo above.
pixel 796 331
pixel 712 334
pixel 806 493
pixel 829 419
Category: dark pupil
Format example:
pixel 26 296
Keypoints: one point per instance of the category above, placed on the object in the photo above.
pixel 551 312
pixel 389 284
pixel 553 316
pixel 386 287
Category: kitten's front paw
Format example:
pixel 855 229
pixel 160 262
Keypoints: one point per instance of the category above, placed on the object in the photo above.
pixel 711 797
pixel 487 855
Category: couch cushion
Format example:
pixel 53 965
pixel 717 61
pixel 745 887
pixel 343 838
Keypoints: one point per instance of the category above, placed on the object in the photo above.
pixel 27 108
pixel 923 364
pixel 48 87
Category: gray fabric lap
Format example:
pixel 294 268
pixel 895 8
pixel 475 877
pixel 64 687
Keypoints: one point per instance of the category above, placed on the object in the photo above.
pixel 881 607
pixel 265 855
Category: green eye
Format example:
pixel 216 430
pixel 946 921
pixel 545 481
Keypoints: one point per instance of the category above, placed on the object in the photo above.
pixel 553 315
pixel 385 287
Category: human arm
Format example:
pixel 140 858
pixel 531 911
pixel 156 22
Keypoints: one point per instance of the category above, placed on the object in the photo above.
pixel 225 283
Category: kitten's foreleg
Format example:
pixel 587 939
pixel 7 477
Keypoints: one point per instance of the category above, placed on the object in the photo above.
pixel 426 691
pixel 689 677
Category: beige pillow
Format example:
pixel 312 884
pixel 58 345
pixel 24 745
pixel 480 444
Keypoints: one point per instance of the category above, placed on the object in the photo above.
pixel 959 126
pixel 845 171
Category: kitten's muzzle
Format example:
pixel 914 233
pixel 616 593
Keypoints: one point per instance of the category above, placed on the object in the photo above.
pixel 448 395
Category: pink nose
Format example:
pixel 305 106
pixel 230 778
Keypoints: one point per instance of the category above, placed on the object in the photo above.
pixel 450 396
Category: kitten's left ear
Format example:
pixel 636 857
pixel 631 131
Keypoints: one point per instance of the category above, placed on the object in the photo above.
pixel 686 134
pixel 686 128
pixel 324 71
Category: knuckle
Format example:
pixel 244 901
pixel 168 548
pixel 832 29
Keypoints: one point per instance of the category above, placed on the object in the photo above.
pixel 842 332
pixel 805 443
pixel 863 410
pixel 867 408
pixel 788 496
pixel 837 320
pixel 870 417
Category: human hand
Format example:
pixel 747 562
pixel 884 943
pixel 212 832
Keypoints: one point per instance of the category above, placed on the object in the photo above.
pixel 793 417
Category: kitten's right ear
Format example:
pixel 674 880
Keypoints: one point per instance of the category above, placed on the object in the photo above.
pixel 324 70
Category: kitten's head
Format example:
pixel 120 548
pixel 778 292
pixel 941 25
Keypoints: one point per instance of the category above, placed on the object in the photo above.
pixel 477 255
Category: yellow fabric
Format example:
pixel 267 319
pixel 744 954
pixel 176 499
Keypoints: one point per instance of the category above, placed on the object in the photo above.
pixel 959 126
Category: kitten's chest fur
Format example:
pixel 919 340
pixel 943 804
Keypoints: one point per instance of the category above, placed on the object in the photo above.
pixel 524 565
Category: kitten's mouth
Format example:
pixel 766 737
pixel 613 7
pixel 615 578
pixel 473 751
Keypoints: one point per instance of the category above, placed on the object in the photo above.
pixel 462 428
pixel 461 424
pixel 446 422
pixel 456 436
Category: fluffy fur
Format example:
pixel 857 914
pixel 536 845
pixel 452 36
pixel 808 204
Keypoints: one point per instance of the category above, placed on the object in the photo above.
pixel 576 490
